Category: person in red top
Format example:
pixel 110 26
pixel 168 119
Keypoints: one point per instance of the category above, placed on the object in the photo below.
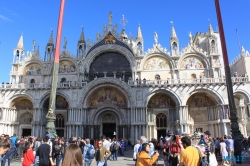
pixel 28 156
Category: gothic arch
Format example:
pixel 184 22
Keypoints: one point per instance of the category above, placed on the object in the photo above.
pixel 211 92
pixel 102 81
pixel 169 92
pixel 111 48
pixel 162 55
pixel 15 97
pixel 102 111
pixel 33 61
pixel 47 95
pixel 199 56
pixel 244 94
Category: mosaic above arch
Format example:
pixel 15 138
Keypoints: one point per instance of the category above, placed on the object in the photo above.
pixel 61 103
pixel 66 67
pixel 201 100
pixel 22 104
pixel 161 100
pixel 107 95
pixel 156 63
pixel 192 62
pixel 33 69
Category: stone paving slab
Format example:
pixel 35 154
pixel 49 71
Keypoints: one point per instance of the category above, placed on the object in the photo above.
pixel 128 161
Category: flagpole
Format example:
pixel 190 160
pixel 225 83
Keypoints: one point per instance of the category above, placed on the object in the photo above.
pixel 51 115
pixel 236 134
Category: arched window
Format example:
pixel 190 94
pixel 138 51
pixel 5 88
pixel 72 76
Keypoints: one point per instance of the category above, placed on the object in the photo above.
pixel 59 121
pixel 32 81
pixel 157 77
pixel 161 120
pixel 63 80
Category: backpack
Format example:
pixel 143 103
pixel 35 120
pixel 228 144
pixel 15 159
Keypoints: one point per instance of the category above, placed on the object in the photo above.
pixel 17 142
pixel 114 147
pixel 175 148
pixel 91 152
pixel 202 161
pixel 57 149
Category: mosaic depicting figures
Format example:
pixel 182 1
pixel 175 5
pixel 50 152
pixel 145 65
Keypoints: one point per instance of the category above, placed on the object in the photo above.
pixel 200 101
pixel 33 69
pixel 107 96
pixel 156 63
pixel 22 104
pixel 192 63
pixel 61 102
pixel 161 101
pixel 66 67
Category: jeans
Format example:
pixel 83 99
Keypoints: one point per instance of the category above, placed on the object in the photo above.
pixel 87 163
pixel 8 156
pixel 99 163
pixel 36 160
pixel 60 158
pixel 106 162
pixel 122 151
pixel 114 155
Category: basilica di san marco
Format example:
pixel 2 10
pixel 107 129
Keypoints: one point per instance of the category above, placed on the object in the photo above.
pixel 117 87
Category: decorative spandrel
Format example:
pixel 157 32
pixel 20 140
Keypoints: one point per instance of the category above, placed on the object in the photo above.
pixel 107 96
pixel 33 69
pixel 156 63
pixel 192 62
pixel 66 67
pixel 161 101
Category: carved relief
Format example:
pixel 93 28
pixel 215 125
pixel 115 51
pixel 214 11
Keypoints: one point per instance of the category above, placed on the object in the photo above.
pixel 109 39
pixel 161 101
pixel 139 95
pixel 192 63
pixel 199 118
pixel 26 118
pixel 109 118
pixel 66 67
pixel 33 69
pixel 156 63
pixel 106 96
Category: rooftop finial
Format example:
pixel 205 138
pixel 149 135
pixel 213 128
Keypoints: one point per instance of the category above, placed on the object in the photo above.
pixel 123 22
pixel 173 33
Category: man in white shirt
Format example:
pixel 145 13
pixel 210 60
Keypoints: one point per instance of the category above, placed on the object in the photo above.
pixel 107 145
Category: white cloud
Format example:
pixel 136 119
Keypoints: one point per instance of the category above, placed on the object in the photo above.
pixel 5 18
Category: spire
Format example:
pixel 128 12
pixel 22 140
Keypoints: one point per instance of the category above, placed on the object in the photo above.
pixel 20 43
pixel 139 34
pixel 81 40
pixel 210 29
pixel 51 41
pixel 173 33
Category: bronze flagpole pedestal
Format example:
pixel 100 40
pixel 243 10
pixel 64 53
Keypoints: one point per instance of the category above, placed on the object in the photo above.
pixel 50 126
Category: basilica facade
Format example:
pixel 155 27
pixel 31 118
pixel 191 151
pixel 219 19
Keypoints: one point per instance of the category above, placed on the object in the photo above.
pixel 113 86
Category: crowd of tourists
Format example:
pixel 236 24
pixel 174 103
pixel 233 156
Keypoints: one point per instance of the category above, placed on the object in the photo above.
pixel 174 149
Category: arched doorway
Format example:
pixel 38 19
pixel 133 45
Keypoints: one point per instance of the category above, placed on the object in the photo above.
pixel 161 124
pixel 109 125
pixel 25 123
pixel 198 108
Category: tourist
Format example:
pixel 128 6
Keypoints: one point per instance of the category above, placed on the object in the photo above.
pixel 4 147
pixel 37 143
pixel 136 148
pixel 190 155
pixel 238 151
pixel 72 156
pixel 28 156
pixel 123 144
pixel 106 144
pixel 56 150
pixel 101 154
pixel 143 158
pixel 223 151
pixel 87 153
pixel 175 149
pixel 230 144
pixel 8 153
pixel 217 147
pixel 114 149
pixel 44 153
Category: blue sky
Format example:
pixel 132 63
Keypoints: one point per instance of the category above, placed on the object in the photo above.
pixel 36 18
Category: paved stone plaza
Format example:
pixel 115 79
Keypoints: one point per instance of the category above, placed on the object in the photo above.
pixel 127 161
